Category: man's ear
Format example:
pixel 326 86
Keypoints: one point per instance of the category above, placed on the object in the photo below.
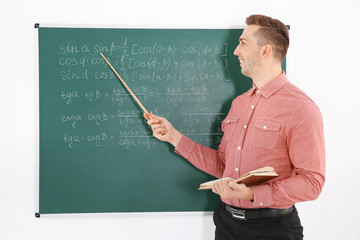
pixel 266 50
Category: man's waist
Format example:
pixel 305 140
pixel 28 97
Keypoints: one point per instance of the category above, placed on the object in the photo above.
pixel 256 213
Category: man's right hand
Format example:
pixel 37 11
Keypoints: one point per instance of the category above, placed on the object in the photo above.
pixel 162 129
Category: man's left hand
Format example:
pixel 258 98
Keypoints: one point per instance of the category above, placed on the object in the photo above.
pixel 228 189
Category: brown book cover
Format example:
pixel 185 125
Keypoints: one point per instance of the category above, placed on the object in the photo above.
pixel 253 177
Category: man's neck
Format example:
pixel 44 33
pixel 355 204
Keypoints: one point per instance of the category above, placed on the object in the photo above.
pixel 265 76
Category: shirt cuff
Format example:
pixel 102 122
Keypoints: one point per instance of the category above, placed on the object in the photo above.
pixel 185 146
pixel 262 196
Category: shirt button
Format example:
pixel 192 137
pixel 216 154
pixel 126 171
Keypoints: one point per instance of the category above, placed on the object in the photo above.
pixel 258 91
pixel 261 204
pixel 245 126
pixel 265 127
pixel 239 148
pixel 252 107
pixel 236 169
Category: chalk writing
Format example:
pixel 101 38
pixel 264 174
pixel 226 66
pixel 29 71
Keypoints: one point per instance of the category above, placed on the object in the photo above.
pixel 179 75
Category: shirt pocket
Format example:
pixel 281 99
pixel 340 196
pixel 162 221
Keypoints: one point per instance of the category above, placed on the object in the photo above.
pixel 228 126
pixel 265 133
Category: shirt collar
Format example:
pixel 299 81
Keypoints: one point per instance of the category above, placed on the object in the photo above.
pixel 270 88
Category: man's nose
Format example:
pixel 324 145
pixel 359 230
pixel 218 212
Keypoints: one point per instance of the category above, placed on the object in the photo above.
pixel 236 51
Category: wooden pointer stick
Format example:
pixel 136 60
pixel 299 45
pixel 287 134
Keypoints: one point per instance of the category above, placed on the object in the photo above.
pixel 126 86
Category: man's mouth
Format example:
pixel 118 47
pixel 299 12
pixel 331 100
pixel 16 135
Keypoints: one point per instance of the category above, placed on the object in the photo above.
pixel 241 61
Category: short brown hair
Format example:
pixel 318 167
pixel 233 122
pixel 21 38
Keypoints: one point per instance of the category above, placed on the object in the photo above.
pixel 272 32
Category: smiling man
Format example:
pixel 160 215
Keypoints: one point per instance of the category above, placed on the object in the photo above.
pixel 272 124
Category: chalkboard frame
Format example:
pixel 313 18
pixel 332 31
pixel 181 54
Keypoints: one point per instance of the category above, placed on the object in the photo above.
pixel 37 128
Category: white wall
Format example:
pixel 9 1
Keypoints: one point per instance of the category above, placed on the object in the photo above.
pixel 323 60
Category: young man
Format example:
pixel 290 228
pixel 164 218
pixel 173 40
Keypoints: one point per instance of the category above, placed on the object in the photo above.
pixel 273 124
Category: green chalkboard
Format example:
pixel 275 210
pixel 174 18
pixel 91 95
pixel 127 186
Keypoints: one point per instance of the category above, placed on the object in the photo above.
pixel 97 153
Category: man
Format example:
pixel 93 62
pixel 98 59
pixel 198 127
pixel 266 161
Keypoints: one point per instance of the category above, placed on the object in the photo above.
pixel 273 124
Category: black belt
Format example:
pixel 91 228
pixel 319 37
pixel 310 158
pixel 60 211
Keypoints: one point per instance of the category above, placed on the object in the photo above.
pixel 245 214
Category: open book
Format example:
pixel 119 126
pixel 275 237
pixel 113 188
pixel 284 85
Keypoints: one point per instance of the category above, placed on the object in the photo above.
pixel 251 178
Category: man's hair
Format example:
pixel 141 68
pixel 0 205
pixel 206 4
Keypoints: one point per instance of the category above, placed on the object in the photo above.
pixel 272 32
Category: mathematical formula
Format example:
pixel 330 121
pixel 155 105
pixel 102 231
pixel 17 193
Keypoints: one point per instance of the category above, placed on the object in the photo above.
pixel 175 75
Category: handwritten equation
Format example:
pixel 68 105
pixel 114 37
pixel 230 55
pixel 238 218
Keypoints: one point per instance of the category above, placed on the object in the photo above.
pixel 174 81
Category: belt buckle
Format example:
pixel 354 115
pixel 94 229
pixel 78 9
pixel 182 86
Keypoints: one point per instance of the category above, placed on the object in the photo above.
pixel 238 214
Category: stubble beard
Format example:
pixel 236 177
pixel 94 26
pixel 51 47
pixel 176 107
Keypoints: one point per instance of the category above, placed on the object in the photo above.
pixel 250 65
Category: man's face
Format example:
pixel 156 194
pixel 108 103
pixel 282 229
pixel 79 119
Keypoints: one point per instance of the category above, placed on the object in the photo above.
pixel 248 51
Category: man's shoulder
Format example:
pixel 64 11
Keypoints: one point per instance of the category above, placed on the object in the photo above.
pixel 291 92
pixel 301 104
pixel 245 95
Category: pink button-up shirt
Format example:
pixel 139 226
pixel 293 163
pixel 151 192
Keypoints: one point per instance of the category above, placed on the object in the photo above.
pixel 277 125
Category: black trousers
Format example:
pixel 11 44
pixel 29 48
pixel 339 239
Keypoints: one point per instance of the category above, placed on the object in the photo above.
pixel 287 227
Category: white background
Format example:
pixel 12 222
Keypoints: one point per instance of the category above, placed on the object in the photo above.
pixel 323 60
